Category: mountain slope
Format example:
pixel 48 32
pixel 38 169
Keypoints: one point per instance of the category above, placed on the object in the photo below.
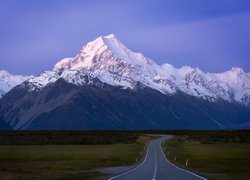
pixel 63 105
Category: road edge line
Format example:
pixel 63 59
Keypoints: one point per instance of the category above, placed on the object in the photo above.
pixel 177 166
pixel 134 167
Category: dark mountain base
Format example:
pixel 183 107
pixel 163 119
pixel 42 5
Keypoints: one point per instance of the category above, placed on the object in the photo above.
pixel 64 106
pixel 4 125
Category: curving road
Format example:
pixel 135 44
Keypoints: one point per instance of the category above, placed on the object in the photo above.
pixel 156 167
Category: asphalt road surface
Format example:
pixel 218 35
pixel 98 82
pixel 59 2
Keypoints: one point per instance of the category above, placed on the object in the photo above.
pixel 156 167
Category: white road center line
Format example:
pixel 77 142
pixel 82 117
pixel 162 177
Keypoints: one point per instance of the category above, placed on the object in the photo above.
pixel 154 176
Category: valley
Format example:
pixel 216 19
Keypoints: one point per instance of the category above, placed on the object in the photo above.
pixel 83 154
pixel 125 90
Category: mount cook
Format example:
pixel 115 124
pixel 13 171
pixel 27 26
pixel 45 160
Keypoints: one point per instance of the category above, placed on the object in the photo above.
pixel 107 86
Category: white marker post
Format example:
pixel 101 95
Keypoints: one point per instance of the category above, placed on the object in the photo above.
pixel 174 158
pixel 187 162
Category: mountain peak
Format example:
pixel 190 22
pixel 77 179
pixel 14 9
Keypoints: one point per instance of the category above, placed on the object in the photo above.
pixel 8 81
pixel 237 70
pixel 110 36
pixel 103 41
pixel 4 73
pixel 107 54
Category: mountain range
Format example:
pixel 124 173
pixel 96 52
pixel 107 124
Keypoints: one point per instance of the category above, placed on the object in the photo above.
pixel 107 86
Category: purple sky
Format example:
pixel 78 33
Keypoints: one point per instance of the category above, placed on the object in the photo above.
pixel 213 35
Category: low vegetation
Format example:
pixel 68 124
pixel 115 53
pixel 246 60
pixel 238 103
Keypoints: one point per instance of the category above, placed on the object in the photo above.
pixel 213 154
pixel 67 137
pixel 69 155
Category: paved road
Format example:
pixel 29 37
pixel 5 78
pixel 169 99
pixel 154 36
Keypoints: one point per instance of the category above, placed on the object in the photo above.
pixel 156 167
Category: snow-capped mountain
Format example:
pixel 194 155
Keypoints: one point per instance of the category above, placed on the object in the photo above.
pixel 8 81
pixel 108 60
pixel 239 83
pixel 107 86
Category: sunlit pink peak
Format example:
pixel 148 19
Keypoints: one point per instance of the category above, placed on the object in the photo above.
pixel 107 53
pixel 112 44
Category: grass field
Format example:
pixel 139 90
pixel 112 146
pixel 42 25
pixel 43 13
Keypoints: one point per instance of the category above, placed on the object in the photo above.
pixel 214 156
pixel 65 161
pixel 77 154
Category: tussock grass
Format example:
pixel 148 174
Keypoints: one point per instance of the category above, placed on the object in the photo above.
pixel 216 156
pixel 65 161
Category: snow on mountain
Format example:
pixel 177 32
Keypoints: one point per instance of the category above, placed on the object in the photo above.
pixel 108 54
pixel 238 81
pixel 64 63
pixel 107 58
pixel 109 61
pixel 8 81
